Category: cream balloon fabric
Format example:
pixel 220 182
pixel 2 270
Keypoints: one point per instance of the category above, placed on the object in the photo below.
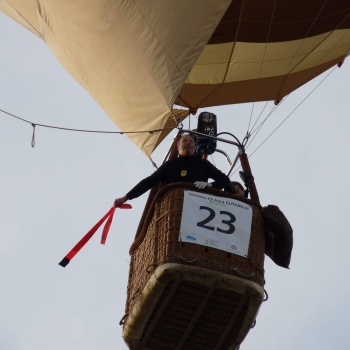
pixel 137 58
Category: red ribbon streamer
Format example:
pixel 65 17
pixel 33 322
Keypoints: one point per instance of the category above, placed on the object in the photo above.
pixel 65 261
pixel 107 226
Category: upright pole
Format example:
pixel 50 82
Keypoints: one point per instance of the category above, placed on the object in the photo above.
pixel 249 177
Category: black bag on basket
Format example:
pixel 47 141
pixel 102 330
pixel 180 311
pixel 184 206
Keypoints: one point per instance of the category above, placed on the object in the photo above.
pixel 278 235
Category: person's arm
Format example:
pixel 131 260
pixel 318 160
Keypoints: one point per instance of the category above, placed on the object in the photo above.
pixel 143 186
pixel 220 179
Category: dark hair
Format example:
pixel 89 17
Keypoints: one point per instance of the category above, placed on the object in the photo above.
pixel 178 141
pixel 238 184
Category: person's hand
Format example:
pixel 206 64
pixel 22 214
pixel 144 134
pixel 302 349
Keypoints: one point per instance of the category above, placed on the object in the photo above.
pixel 119 201
pixel 202 185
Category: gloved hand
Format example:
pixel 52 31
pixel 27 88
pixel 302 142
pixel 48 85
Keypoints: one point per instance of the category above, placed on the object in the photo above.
pixel 202 185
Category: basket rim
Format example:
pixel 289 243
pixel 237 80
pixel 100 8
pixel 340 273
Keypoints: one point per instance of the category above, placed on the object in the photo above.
pixel 135 321
pixel 179 185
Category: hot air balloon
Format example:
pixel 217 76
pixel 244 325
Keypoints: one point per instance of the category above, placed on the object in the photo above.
pixel 138 59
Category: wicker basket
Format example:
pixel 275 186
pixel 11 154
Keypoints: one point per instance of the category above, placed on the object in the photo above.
pixel 187 296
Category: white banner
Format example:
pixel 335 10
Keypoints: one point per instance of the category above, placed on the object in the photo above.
pixel 221 223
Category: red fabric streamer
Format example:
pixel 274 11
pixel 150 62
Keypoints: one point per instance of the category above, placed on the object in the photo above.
pixel 65 261
pixel 107 227
pixel 109 222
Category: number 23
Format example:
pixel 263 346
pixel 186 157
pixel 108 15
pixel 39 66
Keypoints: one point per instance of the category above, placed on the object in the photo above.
pixel 211 216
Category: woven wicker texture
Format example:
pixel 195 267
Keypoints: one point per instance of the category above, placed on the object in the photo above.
pixel 210 325
pixel 161 246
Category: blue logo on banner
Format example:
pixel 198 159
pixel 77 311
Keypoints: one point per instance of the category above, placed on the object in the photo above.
pixel 191 238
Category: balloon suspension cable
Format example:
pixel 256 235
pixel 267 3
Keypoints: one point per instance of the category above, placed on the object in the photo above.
pixel 153 162
pixel 241 150
pixel 171 146
pixel 234 163
pixel 179 124
pixel 246 139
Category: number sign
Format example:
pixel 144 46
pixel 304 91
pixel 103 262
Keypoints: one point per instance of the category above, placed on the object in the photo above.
pixel 218 222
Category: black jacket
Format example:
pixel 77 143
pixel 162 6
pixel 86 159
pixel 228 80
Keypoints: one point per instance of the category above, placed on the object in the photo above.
pixel 183 169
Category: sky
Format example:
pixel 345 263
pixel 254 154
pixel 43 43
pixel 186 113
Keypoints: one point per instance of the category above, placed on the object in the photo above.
pixel 53 193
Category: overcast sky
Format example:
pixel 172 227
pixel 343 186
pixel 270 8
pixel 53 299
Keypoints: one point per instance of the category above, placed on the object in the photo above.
pixel 53 193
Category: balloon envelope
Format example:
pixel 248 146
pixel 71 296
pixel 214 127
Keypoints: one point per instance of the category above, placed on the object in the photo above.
pixel 263 50
pixel 138 58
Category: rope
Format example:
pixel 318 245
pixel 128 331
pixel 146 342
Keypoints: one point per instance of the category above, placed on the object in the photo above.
pixel 151 268
pixel 266 295
pixel 84 130
pixel 33 135
pixel 259 127
pixel 191 261
pixel 252 274
pixel 251 131
pixel 123 320
pixel 153 162
pixel 289 115
pixel 293 110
